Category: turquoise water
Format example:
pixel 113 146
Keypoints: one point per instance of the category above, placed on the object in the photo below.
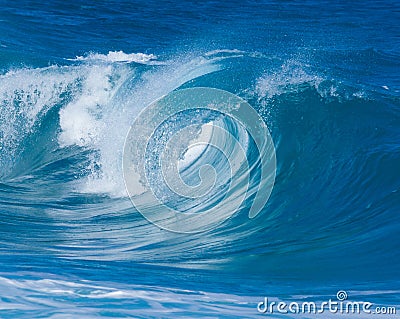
pixel 323 76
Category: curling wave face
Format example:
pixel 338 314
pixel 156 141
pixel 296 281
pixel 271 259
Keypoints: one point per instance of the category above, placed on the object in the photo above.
pixel 62 134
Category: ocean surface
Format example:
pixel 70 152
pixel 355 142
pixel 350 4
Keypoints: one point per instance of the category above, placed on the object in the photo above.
pixel 323 75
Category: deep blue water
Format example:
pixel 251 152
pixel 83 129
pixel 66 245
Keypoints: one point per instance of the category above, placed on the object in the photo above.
pixel 323 75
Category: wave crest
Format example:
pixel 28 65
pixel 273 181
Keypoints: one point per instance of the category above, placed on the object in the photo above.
pixel 118 56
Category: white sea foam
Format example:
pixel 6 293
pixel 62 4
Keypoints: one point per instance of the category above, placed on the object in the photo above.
pixel 118 56
pixel 98 102
pixel 100 117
